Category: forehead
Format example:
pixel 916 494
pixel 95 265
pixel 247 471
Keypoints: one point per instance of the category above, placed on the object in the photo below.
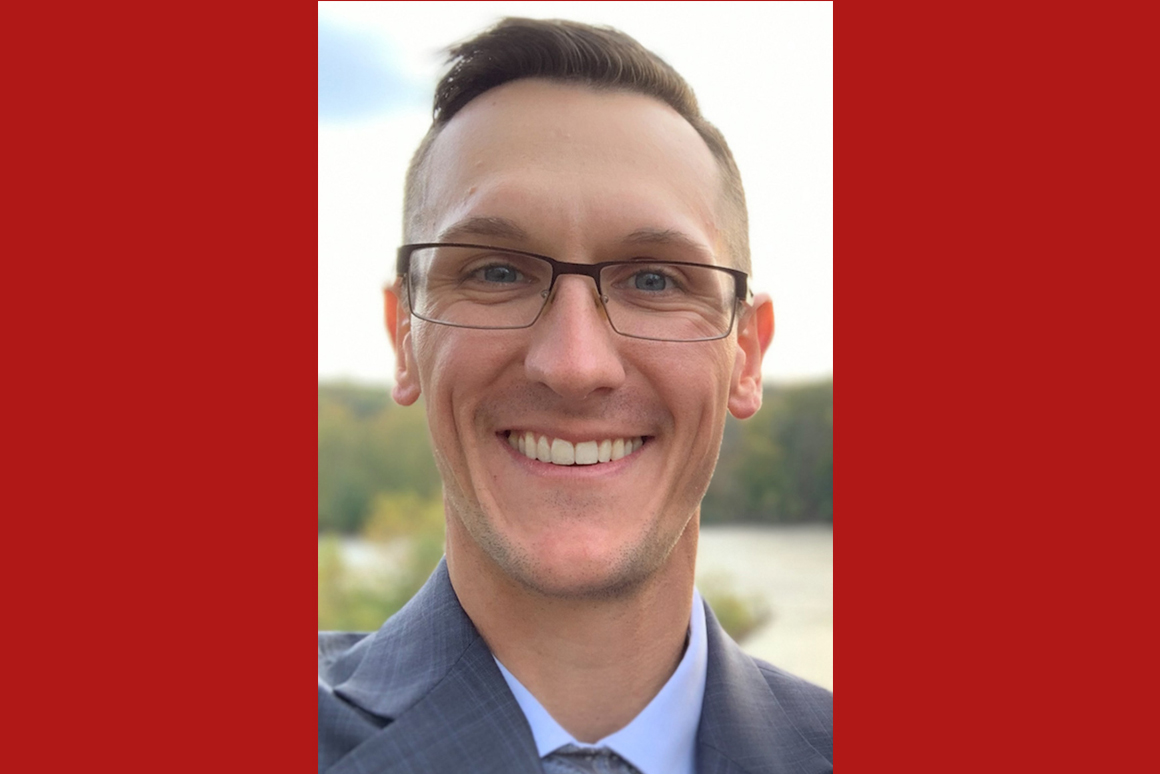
pixel 573 166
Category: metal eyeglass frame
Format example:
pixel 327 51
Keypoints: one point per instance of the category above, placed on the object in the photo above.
pixel 560 268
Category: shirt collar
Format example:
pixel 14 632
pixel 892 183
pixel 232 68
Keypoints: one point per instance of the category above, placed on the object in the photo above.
pixel 662 739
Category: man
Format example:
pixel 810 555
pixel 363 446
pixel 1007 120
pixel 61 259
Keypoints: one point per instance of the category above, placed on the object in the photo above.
pixel 573 304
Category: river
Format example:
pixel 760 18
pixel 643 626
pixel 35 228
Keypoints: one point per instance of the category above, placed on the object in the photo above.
pixel 792 569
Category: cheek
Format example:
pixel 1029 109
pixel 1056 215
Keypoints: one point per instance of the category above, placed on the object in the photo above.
pixel 456 368
pixel 443 363
pixel 432 358
pixel 696 377
pixel 699 405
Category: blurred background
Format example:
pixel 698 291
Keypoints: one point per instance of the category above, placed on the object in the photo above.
pixel 763 74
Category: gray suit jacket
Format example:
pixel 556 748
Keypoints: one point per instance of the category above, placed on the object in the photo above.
pixel 422 695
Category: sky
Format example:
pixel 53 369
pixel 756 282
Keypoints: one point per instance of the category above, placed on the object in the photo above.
pixel 762 72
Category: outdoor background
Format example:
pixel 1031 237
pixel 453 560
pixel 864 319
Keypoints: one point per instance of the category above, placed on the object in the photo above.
pixel 763 74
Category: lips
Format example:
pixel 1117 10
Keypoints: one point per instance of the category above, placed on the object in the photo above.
pixel 557 451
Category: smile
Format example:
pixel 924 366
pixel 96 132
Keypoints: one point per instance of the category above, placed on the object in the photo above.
pixel 557 451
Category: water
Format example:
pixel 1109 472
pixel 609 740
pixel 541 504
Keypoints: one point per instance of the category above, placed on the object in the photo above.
pixel 792 569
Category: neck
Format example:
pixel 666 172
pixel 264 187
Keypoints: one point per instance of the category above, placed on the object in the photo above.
pixel 594 663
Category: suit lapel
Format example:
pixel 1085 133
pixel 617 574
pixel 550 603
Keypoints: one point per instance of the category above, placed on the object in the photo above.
pixel 744 727
pixel 431 675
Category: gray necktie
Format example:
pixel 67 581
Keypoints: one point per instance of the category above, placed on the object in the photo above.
pixel 571 759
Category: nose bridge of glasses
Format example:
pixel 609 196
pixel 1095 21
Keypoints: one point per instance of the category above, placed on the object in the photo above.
pixel 569 289
pixel 575 297
pixel 562 269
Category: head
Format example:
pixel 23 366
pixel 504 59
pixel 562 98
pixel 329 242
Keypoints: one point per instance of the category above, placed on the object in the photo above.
pixel 576 143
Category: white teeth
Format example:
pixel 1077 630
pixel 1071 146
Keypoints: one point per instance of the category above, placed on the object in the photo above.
pixel 560 452
pixel 563 453
pixel 587 453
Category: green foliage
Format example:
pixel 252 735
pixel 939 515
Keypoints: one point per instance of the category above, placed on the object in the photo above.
pixel 739 615
pixel 398 515
pixel 343 603
pixel 407 533
pixel 777 466
pixel 368 445
pixel 377 479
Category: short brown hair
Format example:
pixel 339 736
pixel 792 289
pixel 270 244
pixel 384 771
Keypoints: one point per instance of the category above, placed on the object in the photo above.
pixel 570 52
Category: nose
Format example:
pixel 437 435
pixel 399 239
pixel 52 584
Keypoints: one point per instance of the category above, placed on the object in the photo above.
pixel 574 350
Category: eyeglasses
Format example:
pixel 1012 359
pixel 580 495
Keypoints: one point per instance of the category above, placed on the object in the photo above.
pixel 476 286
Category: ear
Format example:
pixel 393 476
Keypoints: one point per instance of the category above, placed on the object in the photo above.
pixel 406 389
pixel 754 333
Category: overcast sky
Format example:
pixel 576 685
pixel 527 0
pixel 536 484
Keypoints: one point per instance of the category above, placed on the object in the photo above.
pixel 762 71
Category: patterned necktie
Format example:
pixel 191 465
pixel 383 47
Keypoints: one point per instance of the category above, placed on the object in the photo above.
pixel 571 759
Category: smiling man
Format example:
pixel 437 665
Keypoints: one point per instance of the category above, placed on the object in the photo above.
pixel 573 304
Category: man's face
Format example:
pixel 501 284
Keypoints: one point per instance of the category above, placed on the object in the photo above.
pixel 583 176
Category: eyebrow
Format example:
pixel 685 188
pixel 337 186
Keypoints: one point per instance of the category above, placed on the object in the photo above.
pixel 667 237
pixel 500 228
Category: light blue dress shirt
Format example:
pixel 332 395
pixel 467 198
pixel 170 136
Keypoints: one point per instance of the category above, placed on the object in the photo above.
pixel 662 739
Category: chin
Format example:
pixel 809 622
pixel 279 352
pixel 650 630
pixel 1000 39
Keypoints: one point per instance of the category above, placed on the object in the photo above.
pixel 586 583
pixel 579 571
pixel 569 557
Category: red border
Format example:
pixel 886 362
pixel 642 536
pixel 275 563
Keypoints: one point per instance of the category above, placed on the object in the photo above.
pixel 167 304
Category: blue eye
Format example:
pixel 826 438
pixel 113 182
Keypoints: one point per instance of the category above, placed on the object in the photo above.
pixel 651 281
pixel 500 274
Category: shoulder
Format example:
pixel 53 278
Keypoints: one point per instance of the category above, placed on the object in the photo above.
pixel 330 643
pixel 337 655
pixel 809 706
pixel 366 681
pixel 753 710
pixel 342 725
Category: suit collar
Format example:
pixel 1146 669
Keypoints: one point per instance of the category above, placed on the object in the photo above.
pixel 411 652
pixel 449 707
pixel 744 727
